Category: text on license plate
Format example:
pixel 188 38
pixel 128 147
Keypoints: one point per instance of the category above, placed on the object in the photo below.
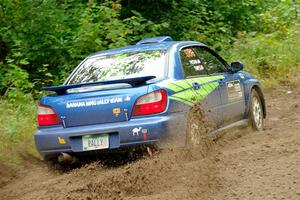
pixel 95 142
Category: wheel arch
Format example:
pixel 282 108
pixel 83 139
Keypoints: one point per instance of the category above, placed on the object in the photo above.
pixel 262 98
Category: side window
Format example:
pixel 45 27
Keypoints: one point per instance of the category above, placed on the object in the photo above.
pixel 192 65
pixel 212 64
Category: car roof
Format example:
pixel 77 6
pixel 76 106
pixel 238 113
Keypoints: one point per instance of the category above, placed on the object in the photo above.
pixel 164 45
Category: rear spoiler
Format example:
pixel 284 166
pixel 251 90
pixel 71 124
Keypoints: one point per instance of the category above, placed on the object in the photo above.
pixel 134 82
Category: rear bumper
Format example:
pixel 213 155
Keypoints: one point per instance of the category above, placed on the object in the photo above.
pixel 120 134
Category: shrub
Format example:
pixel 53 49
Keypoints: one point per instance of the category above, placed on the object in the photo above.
pixel 273 57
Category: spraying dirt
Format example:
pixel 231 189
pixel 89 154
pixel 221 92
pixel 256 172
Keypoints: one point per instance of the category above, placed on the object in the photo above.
pixel 242 164
pixel 199 141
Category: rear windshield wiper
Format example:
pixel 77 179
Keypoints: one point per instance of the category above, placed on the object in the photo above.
pixel 134 82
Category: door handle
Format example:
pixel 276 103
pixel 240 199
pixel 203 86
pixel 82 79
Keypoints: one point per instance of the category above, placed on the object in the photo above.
pixel 196 85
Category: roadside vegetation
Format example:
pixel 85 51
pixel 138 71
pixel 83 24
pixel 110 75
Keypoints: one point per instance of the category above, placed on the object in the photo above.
pixel 273 57
pixel 18 123
pixel 42 41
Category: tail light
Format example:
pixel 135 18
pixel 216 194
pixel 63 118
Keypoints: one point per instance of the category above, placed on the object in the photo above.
pixel 47 116
pixel 152 103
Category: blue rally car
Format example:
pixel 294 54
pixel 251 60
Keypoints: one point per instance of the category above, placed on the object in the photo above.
pixel 140 95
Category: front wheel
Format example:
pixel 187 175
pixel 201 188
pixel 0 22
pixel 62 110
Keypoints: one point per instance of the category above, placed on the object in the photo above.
pixel 256 115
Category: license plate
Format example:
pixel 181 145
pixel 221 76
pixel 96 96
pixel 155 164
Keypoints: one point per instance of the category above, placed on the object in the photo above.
pixel 95 142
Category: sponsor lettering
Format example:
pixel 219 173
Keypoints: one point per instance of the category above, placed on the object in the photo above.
pixel 89 103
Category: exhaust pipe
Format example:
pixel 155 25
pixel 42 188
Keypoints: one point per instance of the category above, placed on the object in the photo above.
pixel 65 158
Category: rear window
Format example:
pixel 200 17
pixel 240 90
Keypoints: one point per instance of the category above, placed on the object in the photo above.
pixel 120 66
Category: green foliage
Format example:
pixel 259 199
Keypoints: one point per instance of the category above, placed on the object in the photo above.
pixel 101 28
pixel 13 79
pixel 35 34
pixel 279 16
pixel 42 41
pixel 274 57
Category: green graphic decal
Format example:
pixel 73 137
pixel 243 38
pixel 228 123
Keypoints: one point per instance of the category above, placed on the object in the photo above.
pixel 185 93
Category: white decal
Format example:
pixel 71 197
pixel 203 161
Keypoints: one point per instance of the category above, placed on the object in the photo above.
pixel 127 98
pixel 194 62
pixel 234 90
pixel 89 103
pixel 136 131
pixel 199 67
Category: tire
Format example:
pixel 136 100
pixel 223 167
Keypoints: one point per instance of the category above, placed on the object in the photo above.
pixel 256 115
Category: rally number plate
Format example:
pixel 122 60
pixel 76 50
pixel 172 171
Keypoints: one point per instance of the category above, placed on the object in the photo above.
pixel 95 142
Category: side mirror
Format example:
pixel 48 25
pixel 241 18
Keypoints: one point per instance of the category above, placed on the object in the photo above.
pixel 236 66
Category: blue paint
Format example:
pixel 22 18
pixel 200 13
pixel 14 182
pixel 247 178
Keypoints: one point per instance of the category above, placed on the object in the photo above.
pixel 155 40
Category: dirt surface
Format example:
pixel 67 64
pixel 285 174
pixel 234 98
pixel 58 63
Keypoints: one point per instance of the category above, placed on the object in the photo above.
pixel 242 164
pixel 6 175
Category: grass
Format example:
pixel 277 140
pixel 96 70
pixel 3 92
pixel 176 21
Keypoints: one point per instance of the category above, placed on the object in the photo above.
pixel 17 126
pixel 274 58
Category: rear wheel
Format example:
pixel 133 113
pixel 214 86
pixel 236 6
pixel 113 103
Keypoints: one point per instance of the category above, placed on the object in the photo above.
pixel 256 115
